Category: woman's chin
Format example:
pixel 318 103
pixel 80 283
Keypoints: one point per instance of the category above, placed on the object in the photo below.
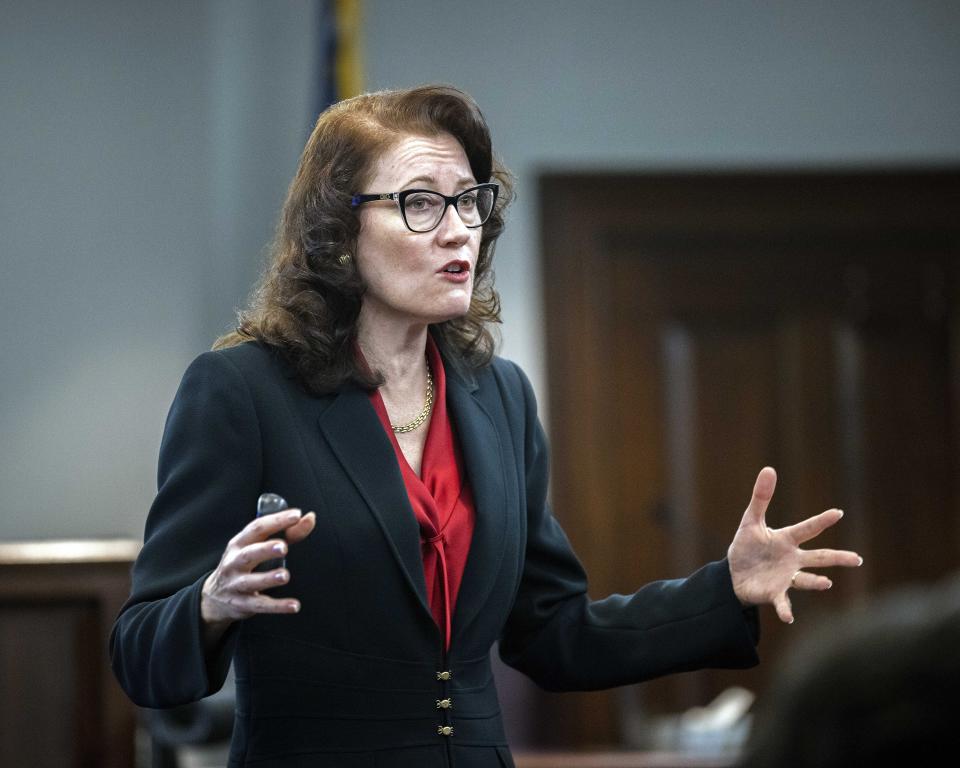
pixel 451 311
pixel 446 318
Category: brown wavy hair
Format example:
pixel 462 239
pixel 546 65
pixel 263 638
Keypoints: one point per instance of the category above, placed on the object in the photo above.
pixel 307 303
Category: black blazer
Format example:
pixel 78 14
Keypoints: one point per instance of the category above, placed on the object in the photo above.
pixel 355 679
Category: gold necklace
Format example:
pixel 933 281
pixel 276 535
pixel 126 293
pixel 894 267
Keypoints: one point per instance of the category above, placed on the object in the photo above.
pixel 424 412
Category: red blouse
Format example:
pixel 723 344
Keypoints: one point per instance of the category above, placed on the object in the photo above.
pixel 440 498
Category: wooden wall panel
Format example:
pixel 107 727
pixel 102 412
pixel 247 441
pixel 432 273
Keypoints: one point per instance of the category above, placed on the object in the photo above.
pixel 60 706
pixel 701 326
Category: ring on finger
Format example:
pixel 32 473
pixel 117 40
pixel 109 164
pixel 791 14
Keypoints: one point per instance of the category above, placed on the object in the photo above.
pixel 793 579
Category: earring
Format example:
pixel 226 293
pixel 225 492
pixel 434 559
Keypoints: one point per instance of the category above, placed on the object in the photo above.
pixel 345 259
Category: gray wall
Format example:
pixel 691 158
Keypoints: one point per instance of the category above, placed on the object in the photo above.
pixel 144 152
pixel 638 84
pixel 145 149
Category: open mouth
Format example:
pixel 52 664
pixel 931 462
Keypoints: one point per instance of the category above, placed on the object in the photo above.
pixel 456 267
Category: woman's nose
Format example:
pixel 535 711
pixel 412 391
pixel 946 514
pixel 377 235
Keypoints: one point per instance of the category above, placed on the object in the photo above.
pixel 451 228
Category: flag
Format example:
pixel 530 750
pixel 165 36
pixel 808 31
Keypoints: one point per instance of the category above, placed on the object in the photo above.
pixel 341 68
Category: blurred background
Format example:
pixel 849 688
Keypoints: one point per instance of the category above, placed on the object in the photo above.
pixel 735 221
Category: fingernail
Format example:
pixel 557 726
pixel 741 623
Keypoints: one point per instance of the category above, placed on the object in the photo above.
pixel 293 514
pixel 829 584
pixel 791 620
pixel 295 607
pixel 841 513
pixel 860 563
pixel 279 547
pixel 282 576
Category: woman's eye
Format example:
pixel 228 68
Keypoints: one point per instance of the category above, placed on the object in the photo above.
pixel 468 202
pixel 421 202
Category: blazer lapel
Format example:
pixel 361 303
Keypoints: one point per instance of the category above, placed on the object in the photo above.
pixel 484 455
pixel 351 427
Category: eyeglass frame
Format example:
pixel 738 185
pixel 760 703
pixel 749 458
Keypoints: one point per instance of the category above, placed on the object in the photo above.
pixel 400 197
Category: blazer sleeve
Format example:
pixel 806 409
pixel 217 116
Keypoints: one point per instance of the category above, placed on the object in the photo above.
pixel 563 640
pixel 208 479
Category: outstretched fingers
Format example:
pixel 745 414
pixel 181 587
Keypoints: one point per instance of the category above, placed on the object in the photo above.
pixel 781 604
pixel 822 558
pixel 810 581
pixel 829 558
pixel 813 526
pixel 763 490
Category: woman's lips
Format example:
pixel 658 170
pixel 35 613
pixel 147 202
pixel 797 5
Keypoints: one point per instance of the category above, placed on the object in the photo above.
pixel 457 271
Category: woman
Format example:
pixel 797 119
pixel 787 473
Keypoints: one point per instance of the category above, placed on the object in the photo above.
pixel 361 385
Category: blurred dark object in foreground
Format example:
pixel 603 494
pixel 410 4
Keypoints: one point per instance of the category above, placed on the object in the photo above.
pixel 876 686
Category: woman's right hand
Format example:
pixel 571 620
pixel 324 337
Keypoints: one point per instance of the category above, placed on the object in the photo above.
pixel 234 590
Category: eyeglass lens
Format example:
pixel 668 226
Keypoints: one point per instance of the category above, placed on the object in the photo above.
pixel 423 210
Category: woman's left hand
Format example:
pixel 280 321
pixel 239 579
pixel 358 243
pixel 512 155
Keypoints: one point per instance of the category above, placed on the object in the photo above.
pixel 766 562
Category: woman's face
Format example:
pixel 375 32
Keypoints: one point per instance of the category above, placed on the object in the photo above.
pixel 417 277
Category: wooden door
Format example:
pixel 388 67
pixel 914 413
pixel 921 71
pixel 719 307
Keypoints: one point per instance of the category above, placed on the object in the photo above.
pixel 702 326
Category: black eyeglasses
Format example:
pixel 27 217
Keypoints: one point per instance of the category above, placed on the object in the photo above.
pixel 424 209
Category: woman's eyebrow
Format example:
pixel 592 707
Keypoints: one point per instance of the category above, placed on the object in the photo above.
pixel 461 181
pixel 419 179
